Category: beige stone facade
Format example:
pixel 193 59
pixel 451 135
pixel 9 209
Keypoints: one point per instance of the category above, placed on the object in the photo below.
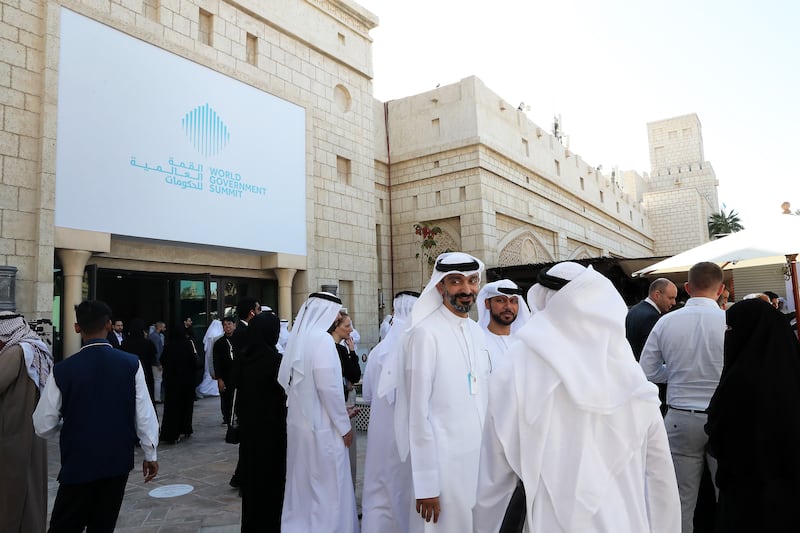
pixel 498 185
pixel 315 54
pixel 682 189
pixel 458 157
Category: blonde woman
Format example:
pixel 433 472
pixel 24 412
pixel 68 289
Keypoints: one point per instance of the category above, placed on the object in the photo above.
pixel 351 372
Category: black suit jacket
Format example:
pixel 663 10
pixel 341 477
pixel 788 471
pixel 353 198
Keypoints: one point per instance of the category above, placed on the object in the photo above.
pixel 238 337
pixel 223 358
pixel 638 323
pixel 112 338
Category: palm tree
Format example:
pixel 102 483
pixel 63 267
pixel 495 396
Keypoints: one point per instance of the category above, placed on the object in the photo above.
pixel 721 224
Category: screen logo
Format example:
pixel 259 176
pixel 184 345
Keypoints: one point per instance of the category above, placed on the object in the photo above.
pixel 205 130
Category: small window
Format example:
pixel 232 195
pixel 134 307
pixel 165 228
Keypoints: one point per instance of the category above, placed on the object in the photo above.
pixel 252 48
pixel 205 27
pixel 151 9
pixel 435 126
pixel 526 148
pixel 343 170
pixel 602 197
pixel 582 185
pixel 558 167
pixel 342 39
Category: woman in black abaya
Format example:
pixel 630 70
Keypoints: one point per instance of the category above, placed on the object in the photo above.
pixel 138 344
pixel 261 408
pixel 754 422
pixel 179 361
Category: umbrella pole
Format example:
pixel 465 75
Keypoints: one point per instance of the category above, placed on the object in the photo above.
pixel 792 259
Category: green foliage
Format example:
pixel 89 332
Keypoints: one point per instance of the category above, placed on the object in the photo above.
pixel 722 223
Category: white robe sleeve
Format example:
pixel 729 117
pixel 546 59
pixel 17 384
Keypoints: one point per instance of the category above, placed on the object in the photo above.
pixel 330 390
pixel 146 420
pixel 420 371
pixel 661 487
pixel 369 383
pixel 47 416
pixel 496 482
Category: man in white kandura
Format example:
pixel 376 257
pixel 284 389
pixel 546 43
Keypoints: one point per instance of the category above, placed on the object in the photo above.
pixel 319 488
pixel 446 372
pixel 502 311
pixel 574 418
pixel 387 492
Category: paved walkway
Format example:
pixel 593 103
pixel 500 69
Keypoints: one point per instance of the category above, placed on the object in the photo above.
pixel 203 461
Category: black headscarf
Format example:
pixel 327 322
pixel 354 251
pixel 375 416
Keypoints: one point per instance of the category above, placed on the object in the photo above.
pixel 136 343
pixel 754 415
pixel 261 336
pixel 255 375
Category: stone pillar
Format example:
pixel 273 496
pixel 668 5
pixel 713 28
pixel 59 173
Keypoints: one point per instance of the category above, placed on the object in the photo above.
pixel 72 262
pixel 285 277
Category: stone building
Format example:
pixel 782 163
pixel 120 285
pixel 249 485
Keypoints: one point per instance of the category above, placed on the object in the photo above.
pixel 682 191
pixel 171 156
pixel 463 159
pixel 186 227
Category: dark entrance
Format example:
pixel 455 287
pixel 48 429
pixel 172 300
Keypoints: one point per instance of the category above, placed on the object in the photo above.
pixel 174 297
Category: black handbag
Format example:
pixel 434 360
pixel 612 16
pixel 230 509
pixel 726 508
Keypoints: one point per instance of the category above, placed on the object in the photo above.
pixel 232 434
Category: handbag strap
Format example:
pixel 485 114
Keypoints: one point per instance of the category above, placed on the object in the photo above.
pixel 233 404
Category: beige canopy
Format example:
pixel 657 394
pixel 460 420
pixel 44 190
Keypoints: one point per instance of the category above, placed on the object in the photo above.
pixel 777 241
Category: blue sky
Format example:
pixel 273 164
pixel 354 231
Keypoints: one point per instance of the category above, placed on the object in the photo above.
pixel 609 67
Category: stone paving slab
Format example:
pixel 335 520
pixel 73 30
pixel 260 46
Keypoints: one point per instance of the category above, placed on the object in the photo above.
pixel 204 461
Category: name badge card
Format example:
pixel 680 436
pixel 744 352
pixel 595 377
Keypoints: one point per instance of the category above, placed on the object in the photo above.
pixel 473 383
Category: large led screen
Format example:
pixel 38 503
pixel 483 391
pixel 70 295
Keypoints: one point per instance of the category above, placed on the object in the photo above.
pixel 153 145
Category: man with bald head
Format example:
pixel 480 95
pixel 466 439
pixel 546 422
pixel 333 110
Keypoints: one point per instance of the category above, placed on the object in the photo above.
pixel 643 316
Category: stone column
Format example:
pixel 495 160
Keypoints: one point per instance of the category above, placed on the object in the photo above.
pixel 285 277
pixel 72 262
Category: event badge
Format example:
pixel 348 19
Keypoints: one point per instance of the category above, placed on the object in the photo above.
pixel 473 383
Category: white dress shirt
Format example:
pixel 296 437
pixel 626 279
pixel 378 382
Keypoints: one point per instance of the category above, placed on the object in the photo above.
pixel 47 416
pixel 685 350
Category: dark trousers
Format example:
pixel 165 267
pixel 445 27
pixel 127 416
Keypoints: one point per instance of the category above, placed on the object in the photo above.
pixel 226 403
pixel 705 511
pixel 94 505
pixel 178 410
pixel 514 519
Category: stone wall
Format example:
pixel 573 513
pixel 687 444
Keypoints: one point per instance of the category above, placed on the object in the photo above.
pixel 681 191
pixel 459 157
pixel 316 54
pixel 512 193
